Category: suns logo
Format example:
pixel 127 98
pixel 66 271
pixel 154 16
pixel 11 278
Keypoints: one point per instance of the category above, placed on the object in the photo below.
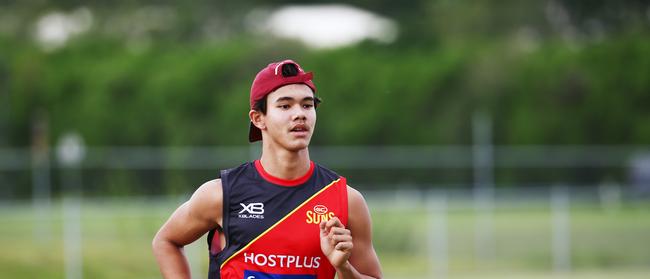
pixel 318 214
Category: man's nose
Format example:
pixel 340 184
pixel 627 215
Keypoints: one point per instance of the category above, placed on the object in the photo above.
pixel 299 113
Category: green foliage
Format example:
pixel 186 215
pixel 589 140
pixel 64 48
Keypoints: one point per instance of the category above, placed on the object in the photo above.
pixel 170 94
pixel 553 72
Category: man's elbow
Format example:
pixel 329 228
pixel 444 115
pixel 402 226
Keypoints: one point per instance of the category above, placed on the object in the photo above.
pixel 156 243
pixel 159 244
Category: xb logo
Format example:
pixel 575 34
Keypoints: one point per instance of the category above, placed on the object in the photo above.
pixel 252 208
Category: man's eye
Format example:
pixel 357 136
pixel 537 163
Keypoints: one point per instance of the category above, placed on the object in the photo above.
pixel 307 106
pixel 284 106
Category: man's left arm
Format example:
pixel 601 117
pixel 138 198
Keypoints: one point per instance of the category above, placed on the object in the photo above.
pixel 350 249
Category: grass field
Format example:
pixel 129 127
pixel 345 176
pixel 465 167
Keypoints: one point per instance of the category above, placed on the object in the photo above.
pixel 116 236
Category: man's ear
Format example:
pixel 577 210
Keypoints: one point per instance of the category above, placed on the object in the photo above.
pixel 257 118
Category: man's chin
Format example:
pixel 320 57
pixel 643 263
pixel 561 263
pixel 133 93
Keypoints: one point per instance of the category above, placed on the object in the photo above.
pixel 298 144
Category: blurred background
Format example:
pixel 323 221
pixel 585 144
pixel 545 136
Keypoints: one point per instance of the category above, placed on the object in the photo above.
pixel 491 139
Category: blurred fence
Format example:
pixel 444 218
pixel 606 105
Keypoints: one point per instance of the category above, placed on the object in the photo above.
pixel 556 210
pixel 147 169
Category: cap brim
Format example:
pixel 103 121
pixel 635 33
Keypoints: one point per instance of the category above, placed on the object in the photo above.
pixel 254 133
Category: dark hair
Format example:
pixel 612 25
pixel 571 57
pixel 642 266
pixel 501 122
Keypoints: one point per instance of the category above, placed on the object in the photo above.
pixel 288 70
pixel 260 105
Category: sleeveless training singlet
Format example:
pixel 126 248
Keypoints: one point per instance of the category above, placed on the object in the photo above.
pixel 271 225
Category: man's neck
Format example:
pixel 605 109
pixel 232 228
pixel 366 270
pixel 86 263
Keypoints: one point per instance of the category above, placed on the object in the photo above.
pixel 285 164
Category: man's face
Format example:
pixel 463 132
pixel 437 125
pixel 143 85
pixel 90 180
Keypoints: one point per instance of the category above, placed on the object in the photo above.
pixel 290 116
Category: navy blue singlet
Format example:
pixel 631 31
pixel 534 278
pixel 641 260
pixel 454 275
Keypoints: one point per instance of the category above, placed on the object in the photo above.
pixel 271 225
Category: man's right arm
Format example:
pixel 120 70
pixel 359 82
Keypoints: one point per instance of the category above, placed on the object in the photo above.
pixel 190 221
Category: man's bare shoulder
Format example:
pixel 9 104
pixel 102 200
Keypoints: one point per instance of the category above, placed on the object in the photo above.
pixel 355 199
pixel 358 212
pixel 207 200
pixel 209 188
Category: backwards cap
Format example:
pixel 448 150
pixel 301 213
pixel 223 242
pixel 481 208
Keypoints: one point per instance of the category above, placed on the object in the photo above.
pixel 270 79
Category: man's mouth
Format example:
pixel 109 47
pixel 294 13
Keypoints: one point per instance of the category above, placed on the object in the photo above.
pixel 299 129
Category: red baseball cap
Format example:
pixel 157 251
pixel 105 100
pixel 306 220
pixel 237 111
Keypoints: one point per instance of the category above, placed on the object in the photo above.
pixel 270 79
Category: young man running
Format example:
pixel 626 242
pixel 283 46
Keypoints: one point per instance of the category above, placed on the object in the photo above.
pixel 279 217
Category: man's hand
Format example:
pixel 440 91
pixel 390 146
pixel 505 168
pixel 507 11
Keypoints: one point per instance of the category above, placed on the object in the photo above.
pixel 335 242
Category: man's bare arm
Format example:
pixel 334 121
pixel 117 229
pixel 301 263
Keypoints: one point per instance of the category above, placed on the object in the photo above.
pixel 363 261
pixel 190 221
